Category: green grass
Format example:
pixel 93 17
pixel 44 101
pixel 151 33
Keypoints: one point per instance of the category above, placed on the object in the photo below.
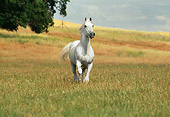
pixel 15 35
pixel 135 54
pixel 46 88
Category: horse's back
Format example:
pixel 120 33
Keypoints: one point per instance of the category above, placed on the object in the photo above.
pixel 74 44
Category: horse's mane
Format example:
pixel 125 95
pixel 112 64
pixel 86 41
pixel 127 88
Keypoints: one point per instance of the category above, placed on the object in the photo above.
pixel 81 28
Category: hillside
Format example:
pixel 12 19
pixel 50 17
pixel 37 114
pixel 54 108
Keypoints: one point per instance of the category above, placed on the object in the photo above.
pixel 110 45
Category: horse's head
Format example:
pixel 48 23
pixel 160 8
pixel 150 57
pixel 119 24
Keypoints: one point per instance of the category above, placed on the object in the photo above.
pixel 88 28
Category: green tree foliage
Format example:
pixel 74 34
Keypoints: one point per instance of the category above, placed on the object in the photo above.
pixel 37 14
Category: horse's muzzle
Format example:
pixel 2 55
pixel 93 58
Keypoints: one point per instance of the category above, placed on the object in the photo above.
pixel 92 34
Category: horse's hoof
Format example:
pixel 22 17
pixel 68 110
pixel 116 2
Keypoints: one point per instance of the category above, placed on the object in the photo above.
pixel 76 81
pixel 86 81
pixel 80 71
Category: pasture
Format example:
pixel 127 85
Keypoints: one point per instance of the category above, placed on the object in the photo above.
pixel 130 76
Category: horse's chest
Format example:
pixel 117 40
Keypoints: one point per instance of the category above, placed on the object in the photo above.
pixel 88 51
pixel 85 55
pixel 90 56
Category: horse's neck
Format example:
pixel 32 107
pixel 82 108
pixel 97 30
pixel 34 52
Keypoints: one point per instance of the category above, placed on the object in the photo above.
pixel 84 41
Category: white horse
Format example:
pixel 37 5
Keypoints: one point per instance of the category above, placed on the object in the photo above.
pixel 80 52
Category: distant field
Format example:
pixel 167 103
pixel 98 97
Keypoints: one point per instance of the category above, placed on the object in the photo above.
pixel 117 45
pixel 130 77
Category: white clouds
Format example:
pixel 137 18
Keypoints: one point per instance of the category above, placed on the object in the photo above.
pixel 161 18
pixel 166 23
pixel 141 17
pixel 124 5
pixel 113 6
pixel 91 9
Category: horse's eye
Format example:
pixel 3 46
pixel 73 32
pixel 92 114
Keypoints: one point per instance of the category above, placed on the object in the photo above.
pixel 85 26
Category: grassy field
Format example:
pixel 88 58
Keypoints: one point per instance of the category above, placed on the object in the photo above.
pixel 130 77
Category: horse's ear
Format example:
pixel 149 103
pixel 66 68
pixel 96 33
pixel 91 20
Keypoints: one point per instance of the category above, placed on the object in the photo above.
pixel 90 19
pixel 85 18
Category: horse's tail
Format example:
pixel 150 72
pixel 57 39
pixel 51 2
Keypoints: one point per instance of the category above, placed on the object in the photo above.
pixel 63 56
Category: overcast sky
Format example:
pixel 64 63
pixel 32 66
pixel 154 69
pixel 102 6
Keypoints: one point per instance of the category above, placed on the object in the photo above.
pixel 142 15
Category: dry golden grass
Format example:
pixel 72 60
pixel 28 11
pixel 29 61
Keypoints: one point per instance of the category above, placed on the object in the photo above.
pixel 110 45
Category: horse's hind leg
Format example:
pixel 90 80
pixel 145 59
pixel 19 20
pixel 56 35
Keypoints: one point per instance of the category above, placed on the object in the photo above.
pixel 74 71
pixel 83 71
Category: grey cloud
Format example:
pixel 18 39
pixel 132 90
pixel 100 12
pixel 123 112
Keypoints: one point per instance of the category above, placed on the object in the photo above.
pixel 145 15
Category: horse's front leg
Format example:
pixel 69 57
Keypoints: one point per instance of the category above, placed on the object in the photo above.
pixel 78 63
pixel 89 67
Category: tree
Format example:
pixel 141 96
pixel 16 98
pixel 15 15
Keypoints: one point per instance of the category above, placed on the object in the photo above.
pixel 37 14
